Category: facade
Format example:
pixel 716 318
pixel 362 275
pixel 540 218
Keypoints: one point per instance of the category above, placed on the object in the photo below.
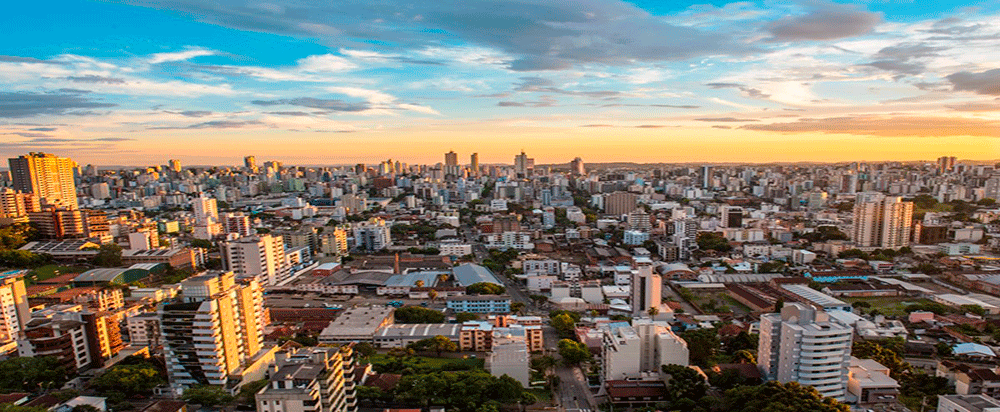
pixel 881 221
pixel 477 336
pixel 479 304
pixel 869 383
pixel 620 203
pixel 48 177
pixel 14 310
pixel 967 403
pixel 372 236
pixel 215 330
pixel 320 379
pixel 805 345
pixel 261 257
pixel 637 351
pixel 646 287
pixel 237 223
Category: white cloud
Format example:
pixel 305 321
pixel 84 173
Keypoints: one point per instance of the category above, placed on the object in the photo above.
pixel 325 63
pixel 179 56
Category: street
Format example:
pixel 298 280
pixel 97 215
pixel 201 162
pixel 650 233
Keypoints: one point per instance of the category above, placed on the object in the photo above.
pixel 572 394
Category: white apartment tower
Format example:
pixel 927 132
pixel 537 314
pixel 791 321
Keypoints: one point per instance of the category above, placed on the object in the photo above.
pixel 261 257
pixel 646 287
pixel 805 345
pixel 14 311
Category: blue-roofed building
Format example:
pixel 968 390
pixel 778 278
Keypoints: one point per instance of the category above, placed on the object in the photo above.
pixel 469 274
pixel 479 304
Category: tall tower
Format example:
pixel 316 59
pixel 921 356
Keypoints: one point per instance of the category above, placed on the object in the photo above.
pixel 14 311
pixel 646 286
pixel 250 163
pixel 451 159
pixel 474 163
pixel 47 176
pixel 805 345
pixel 213 330
pixel 175 165
pixel 881 221
pixel 706 177
pixel 577 167
pixel 261 257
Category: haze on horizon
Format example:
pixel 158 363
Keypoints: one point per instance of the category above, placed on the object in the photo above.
pixel 137 82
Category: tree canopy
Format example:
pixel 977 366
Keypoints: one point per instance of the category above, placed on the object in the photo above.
pixel 417 314
pixel 573 352
pixel 32 374
pixel 778 397
pixel 485 288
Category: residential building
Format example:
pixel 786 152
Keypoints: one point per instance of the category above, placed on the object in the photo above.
pixel 14 310
pixel 479 304
pixel 509 355
pixel 881 221
pixel 318 379
pixel 358 324
pixel 214 332
pixel 620 203
pixel 261 257
pixel 646 288
pixel 47 176
pixel 805 345
pixel 372 236
pixel 477 336
pixel 967 403
pixel 869 383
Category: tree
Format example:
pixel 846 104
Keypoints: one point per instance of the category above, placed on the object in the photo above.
pixel 441 343
pixel 915 387
pixel 713 241
pixel 943 349
pixel 573 352
pixel 883 354
pixel 463 317
pixel 564 324
pixel 248 392
pixel 684 383
pixel 419 283
pixel 778 397
pixel 745 356
pixel 432 294
pixel 9 407
pixel 132 380
pixel 32 374
pixel 207 395
pixel 485 288
pixel 108 255
pixel 364 349
pixel 702 344
pixel 543 363
pixel 653 311
pixel 517 307
pixel 417 314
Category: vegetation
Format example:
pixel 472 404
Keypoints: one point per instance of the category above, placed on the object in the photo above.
pixel 207 395
pixel 466 391
pixel 573 352
pixel 825 233
pixel 564 322
pixel 703 345
pixel 23 259
pixel 778 397
pixel 32 374
pixel 417 314
pixel 485 288
pixel 403 361
pixel 713 241
pixel 463 317
pixel 108 255
pixel 684 385
pixel 135 378
pixel 437 344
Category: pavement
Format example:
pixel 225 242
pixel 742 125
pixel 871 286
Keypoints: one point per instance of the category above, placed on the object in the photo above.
pixel 573 393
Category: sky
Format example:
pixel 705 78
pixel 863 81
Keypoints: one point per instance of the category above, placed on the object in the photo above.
pixel 346 81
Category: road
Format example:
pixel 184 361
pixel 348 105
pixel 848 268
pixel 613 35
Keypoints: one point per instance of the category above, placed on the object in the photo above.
pixel 573 394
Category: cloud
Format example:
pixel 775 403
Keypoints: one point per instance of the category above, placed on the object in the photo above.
pixel 725 119
pixel 188 54
pixel 596 125
pixel 544 101
pixel 19 59
pixel 90 78
pixel 987 82
pixel 976 106
pixel 539 35
pixel 887 126
pixel 542 85
pixel 897 66
pixel 722 127
pixel 27 104
pixel 651 126
pixel 44 129
pixel 677 106
pixel 745 90
pixel 824 21
pixel 193 113
pixel 331 105
pixel 214 124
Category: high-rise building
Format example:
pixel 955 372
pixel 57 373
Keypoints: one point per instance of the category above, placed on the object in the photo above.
pixel 646 287
pixel 732 216
pixel 523 165
pixel 318 379
pixel 14 311
pixel 15 206
pixel 214 331
pixel 237 223
pixel 206 210
pixel 78 337
pixel 474 164
pixel 881 221
pixel 47 176
pixel 946 164
pixel 175 165
pixel 451 159
pixel 250 163
pixel 373 235
pixel 706 177
pixel 509 355
pixel 261 257
pixel 805 345
pixel 631 351
pixel 620 203
pixel 577 167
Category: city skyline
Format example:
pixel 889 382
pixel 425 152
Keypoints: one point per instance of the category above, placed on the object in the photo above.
pixel 615 81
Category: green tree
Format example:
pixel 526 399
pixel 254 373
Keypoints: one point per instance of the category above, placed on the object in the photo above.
pixel 778 397
pixel 108 255
pixel 485 288
pixel 207 395
pixel 703 344
pixel 564 324
pixel 8 407
pixel 441 343
pixel 417 314
pixel 248 392
pixel 883 354
pixel 684 383
pixel 463 317
pixel 32 374
pixel 364 349
pixel 573 352
pixel 713 241
pixel 132 380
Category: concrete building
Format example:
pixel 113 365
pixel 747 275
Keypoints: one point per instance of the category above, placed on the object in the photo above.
pixel 620 203
pixel 260 257
pixel 869 383
pixel 372 235
pixel 321 379
pixel 401 335
pixel 359 324
pixel 967 403
pixel 479 304
pixel 646 287
pixel 804 345
pixel 638 351
pixel 238 223
pixel 214 332
pixel 477 336
pixel 509 355
pixel 881 221
pixel 14 310
pixel 47 176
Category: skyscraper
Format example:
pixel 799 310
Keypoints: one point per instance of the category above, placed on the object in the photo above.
pixel 945 164
pixel 14 311
pixel 576 167
pixel 474 163
pixel 47 176
pixel 261 257
pixel 175 165
pixel 646 285
pixel 523 164
pixel 707 181
pixel 805 345
pixel 214 331
pixel 881 221
pixel 250 163
pixel 732 216
pixel 451 159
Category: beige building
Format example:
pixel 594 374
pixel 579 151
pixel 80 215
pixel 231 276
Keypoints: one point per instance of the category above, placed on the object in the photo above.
pixel 321 379
pixel 14 310
pixel 215 330
pixel 881 221
pixel 478 336
pixel 261 257
pixel 47 176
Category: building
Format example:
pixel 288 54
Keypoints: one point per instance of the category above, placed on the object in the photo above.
pixel 261 257
pixel 869 383
pixel 523 165
pixel 144 329
pixel 479 304
pixel 470 273
pixel 371 236
pixel 214 332
pixel 178 258
pixel 237 223
pixel 620 203
pixel 320 379
pixel 474 163
pixel 510 356
pixel 646 288
pixel 732 216
pixel 206 210
pixel 358 324
pixel 881 221
pixel 477 336
pixel 804 345
pixel 967 403
pixel 509 240
pixel 401 335
pixel 250 163
pixel 47 176
pixel 14 310
pixel 79 338
pixel 15 206
pixel 634 237
pixel 638 351
pixel 577 167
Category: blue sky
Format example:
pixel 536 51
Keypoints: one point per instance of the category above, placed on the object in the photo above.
pixel 643 80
